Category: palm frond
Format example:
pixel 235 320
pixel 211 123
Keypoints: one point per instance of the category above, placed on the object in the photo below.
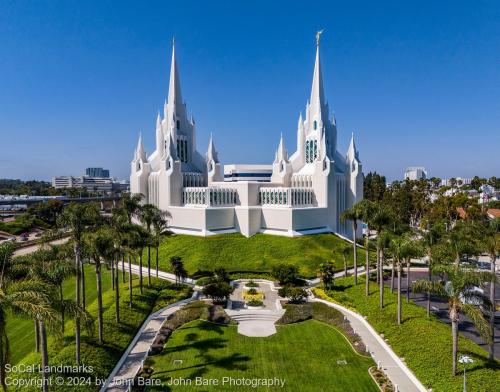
pixel 477 317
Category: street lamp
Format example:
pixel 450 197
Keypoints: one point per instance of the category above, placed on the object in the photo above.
pixel 465 359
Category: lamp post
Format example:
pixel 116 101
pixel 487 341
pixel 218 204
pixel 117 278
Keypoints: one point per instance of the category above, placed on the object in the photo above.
pixel 465 359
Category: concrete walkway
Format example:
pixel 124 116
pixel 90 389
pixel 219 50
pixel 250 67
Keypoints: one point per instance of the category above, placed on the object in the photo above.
pixel 383 355
pixel 161 274
pixel 122 376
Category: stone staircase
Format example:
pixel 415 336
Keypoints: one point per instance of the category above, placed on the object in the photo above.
pixel 255 322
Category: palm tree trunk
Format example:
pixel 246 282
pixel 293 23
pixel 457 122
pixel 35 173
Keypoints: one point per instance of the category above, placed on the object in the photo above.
pixel 123 267
pixel 428 291
pixel 130 281
pixel 393 268
pixel 454 336
pixel 408 281
pixel 117 295
pixel 367 267
pixel 113 276
pixel 83 286
pixel 149 265
pixel 399 292
pixel 45 355
pixel 140 271
pixel 345 266
pixel 378 263
pixel 157 249
pixel 381 284
pixel 491 348
pixel 355 264
pixel 78 301
pixel 37 337
pixel 99 300
pixel 61 298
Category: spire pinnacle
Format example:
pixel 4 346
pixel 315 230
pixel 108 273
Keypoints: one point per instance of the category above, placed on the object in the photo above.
pixel 211 151
pixel 139 151
pixel 282 153
pixel 317 94
pixel 174 88
pixel 352 151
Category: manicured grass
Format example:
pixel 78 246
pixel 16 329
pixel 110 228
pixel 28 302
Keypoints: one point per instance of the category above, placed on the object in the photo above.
pixel 258 253
pixel 304 355
pixel 21 331
pixel 117 336
pixel 424 343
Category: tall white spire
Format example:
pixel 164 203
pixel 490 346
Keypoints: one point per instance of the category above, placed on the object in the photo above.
pixel 282 154
pixel 352 152
pixel 170 150
pixel 140 153
pixel 211 152
pixel 317 100
pixel 174 87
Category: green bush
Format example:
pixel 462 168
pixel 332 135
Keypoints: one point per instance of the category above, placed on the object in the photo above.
pixel 295 313
pixel 286 273
pixel 251 284
pixel 255 303
pixel 295 295
pixel 252 291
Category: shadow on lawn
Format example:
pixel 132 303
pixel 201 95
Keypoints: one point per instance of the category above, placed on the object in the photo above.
pixel 234 361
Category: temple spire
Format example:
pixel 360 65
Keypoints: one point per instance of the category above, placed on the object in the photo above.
pixel 317 100
pixel 139 151
pixel 352 152
pixel 211 152
pixel 282 153
pixel 174 88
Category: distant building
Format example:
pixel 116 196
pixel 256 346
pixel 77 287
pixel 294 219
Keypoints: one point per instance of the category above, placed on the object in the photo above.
pixel 92 184
pixel 97 172
pixel 261 173
pixel 415 173
pixel 458 181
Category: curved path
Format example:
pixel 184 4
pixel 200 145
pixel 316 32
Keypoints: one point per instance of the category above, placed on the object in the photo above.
pixel 393 366
pixel 123 374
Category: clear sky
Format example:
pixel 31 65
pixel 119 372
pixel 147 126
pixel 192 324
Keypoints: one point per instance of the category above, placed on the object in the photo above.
pixel 418 82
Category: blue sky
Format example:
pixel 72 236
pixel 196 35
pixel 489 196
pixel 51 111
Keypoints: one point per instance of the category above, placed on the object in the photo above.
pixel 418 82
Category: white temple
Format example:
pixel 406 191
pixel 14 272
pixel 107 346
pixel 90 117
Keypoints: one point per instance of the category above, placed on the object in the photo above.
pixel 306 194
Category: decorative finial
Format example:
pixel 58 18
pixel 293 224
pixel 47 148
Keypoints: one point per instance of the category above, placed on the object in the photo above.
pixel 173 40
pixel 318 36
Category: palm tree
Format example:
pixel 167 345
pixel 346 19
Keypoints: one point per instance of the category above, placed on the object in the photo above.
pixel 101 247
pixel 77 218
pixel 383 243
pixel 429 239
pixel 462 297
pixel 327 273
pixel 368 210
pixel 492 246
pixel 379 218
pixel 400 248
pixel 353 214
pixel 160 226
pixel 147 214
pixel 28 297
pixel 346 251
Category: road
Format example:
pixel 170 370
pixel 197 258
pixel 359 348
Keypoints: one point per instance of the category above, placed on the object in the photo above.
pixel 32 248
pixel 439 307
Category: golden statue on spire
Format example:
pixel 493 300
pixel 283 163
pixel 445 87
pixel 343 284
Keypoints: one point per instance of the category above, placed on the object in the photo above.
pixel 318 36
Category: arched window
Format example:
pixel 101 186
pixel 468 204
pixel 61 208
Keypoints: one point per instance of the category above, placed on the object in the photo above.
pixel 315 125
pixel 179 125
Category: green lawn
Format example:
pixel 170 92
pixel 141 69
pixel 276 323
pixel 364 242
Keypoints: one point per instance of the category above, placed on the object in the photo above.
pixel 258 253
pixel 117 336
pixel 424 343
pixel 304 355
